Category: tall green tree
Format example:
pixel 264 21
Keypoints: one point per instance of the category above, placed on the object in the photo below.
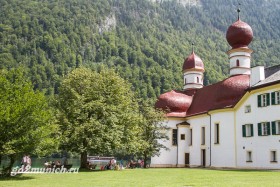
pixel 25 119
pixel 152 130
pixel 97 113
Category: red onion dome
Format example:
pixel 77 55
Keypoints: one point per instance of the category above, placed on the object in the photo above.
pixel 193 62
pixel 233 88
pixel 174 102
pixel 239 34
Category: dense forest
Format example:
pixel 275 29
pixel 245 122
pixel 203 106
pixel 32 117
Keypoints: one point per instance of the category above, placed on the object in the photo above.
pixel 146 42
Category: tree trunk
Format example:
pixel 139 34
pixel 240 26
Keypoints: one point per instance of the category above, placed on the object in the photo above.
pixel 7 171
pixel 84 159
pixel 145 160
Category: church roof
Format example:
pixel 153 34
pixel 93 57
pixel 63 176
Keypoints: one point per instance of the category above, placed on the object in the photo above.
pixel 174 103
pixel 193 62
pixel 239 34
pixel 224 94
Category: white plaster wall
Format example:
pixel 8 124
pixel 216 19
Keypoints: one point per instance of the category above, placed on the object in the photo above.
pixel 244 63
pixel 223 153
pixel 195 149
pixel 240 71
pixel 191 78
pixel 183 145
pixel 167 158
pixel 259 145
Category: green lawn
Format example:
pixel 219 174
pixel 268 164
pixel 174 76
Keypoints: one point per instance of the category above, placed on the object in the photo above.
pixel 149 177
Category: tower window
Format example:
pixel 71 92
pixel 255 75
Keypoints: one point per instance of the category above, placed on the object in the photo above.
pixel 237 63
pixel 197 79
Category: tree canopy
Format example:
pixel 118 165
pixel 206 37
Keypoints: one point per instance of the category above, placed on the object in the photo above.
pixel 98 112
pixel 25 118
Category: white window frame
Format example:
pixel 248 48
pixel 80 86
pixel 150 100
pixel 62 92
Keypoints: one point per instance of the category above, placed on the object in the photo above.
pixel 263 100
pixel 277 97
pixel 248 130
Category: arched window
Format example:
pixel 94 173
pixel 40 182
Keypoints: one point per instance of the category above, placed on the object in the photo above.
pixel 237 63
pixel 185 81
pixel 197 80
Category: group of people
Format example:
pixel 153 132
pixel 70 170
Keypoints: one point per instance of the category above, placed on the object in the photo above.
pixel 56 164
pixel 138 164
pixel 26 161
pixel 112 164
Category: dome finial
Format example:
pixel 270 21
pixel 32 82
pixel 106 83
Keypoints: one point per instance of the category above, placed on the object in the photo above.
pixel 192 47
pixel 238 11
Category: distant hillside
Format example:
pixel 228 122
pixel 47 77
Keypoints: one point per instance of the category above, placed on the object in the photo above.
pixel 145 41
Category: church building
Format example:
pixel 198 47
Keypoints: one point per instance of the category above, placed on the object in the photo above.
pixel 234 123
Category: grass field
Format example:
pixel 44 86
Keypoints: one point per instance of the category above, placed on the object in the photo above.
pixel 148 177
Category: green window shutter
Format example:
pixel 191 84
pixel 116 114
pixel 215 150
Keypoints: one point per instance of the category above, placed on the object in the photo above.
pixel 268 99
pixel 273 98
pixel 252 130
pixel 268 128
pixel 259 129
pixel 244 130
pixel 273 125
pixel 259 101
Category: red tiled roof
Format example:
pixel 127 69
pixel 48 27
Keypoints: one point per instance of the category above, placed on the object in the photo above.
pixel 174 102
pixel 224 94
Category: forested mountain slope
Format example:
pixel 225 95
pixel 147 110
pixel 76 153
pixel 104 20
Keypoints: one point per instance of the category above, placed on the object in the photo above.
pixel 145 41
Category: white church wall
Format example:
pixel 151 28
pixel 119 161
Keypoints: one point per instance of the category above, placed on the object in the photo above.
pixel 261 147
pixel 183 144
pixel 167 158
pixel 223 148
pixel 196 125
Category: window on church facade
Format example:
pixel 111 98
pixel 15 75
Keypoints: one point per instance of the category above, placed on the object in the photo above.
pixel 249 156
pixel 275 127
pixel 197 80
pixel 182 136
pixel 273 156
pixel 174 136
pixel 237 63
pixel 248 109
pixel 247 130
pixel 275 98
pixel 190 136
pixel 202 135
pixel 217 133
pixel 264 100
pixel 264 129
